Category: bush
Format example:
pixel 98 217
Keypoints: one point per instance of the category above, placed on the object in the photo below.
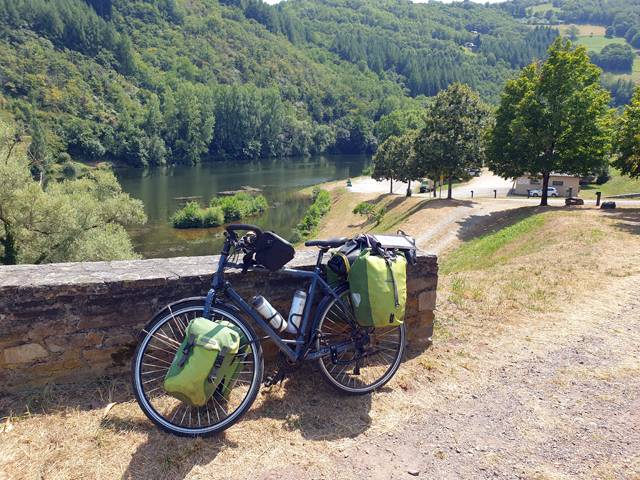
pixel 69 170
pixel 240 205
pixel 212 217
pixel 368 210
pixel 318 209
pixel 189 216
pixel 221 210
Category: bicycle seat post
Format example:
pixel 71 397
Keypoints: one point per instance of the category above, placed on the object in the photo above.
pixel 320 255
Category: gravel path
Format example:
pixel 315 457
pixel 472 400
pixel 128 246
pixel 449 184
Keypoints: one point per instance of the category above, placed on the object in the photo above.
pixel 557 400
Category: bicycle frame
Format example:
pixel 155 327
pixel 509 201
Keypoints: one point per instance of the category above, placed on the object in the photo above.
pixel 304 340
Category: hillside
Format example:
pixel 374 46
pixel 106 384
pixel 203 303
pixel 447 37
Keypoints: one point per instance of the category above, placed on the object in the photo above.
pixel 147 83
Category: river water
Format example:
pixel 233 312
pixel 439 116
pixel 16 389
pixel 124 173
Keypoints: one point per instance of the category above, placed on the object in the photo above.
pixel 164 190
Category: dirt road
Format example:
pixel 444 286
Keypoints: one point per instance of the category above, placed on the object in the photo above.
pixel 557 400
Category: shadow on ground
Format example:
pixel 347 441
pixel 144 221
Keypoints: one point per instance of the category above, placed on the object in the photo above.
pixel 476 226
pixel 627 219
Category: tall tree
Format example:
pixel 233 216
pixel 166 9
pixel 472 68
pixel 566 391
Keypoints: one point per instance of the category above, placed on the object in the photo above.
pixel 385 166
pixel 452 139
pixel 405 156
pixel 553 118
pixel 38 151
pixel 628 139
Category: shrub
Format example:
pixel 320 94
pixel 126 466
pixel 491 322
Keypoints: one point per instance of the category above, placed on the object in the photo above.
pixel 220 210
pixel 212 217
pixel 318 209
pixel 240 205
pixel 368 210
pixel 189 216
pixel 69 169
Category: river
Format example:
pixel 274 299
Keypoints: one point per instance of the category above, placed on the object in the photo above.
pixel 163 191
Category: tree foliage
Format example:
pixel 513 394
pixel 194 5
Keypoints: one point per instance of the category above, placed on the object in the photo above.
pixel 452 139
pixel 150 83
pixel 73 220
pixel 615 58
pixel 627 144
pixel 553 118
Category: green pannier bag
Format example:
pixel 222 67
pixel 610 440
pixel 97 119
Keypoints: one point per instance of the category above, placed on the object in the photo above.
pixel 378 286
pixel 207 360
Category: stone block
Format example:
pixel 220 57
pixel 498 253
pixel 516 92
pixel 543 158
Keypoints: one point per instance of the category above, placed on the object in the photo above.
pixel 427 301
pixel 26 353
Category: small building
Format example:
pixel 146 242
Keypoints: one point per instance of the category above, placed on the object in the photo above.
pixel 470 45
pixel 562 182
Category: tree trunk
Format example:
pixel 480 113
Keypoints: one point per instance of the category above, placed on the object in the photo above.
pixel 391 189
pixel 450 188
pixel 409 188
pixel 10 255
pixel 545 186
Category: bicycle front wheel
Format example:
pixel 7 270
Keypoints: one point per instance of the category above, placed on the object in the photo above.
pixel 152 360
pixel 372 358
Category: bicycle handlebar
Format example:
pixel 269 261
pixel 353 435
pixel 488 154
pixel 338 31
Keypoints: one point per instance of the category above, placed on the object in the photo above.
pixel 244 227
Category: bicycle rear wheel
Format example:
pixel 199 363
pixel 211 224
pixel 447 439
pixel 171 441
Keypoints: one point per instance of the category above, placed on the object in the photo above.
pixel 153 357
pixel 373 358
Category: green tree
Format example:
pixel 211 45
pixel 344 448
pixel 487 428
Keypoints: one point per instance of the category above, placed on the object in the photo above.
pixel 385 162
pixel 38 151
pixel 189 116
pixel 452 139
pixel 73 220
pixel 553 118
pixel 406 157
pixel 398 122
pixel 628 139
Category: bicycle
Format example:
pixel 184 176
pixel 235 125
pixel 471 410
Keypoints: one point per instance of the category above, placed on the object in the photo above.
pixel 352 359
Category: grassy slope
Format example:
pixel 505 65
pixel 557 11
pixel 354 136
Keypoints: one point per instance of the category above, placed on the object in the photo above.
pixel 617 185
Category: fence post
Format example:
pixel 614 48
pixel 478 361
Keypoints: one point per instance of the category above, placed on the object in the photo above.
pixel 471 193
pixel 598 194
pixel 495 194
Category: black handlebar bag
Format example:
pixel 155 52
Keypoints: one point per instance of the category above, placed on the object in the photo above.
pixel 272 251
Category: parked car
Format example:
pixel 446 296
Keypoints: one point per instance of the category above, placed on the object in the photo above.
pixel 424 187
pixel 474 172
pixel 551 192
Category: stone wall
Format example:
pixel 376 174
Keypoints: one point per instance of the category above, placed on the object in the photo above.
pixel 77 321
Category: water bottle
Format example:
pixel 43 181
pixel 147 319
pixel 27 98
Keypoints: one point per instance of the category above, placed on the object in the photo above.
pixel 295 314
pixel 269 313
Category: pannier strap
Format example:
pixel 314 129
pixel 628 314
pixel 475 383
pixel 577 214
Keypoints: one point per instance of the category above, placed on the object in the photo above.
pixel 186 351
pixel 217 364
pixel 388 259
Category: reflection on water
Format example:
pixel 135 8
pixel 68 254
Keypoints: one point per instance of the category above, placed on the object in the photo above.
pixel 163 191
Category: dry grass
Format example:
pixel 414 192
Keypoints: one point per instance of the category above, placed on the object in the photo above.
pixel 64 433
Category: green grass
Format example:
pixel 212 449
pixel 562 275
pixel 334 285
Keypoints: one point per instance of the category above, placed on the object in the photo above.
pixel 617 185
pixel 597 42
pixel 542 8
pixel 494 248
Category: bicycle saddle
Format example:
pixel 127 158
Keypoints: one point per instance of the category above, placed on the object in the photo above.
pixel 331 243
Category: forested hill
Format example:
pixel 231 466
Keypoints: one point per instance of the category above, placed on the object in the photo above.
pixel 163 81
